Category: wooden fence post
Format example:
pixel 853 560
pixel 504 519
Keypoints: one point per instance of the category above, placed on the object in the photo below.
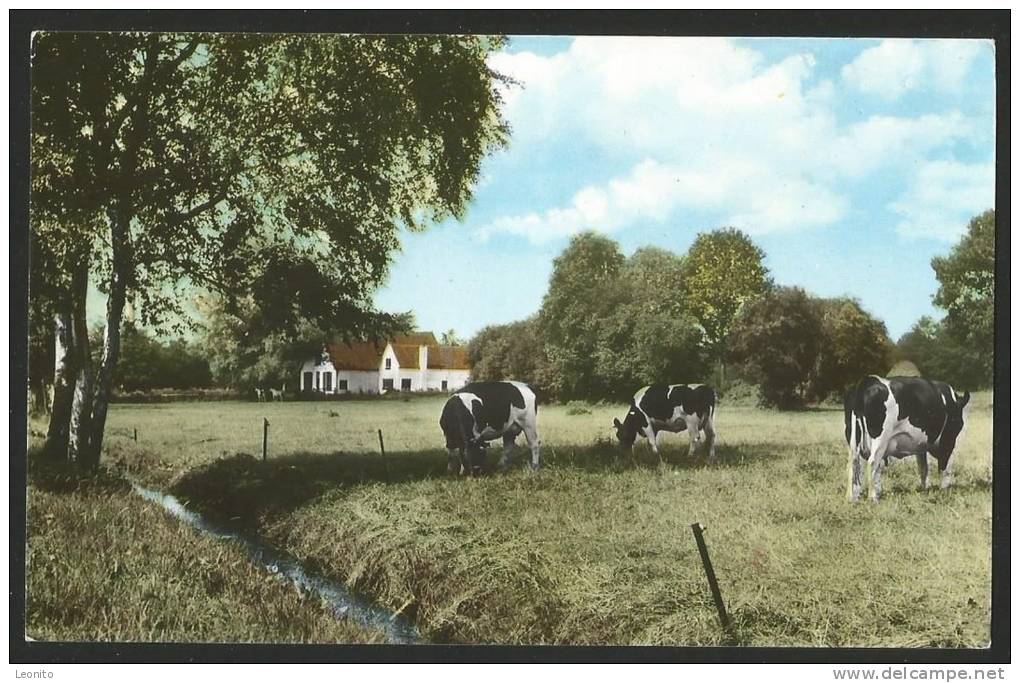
pixel 265 438
pixel 382 449
pixel 136 434
pixel 724 618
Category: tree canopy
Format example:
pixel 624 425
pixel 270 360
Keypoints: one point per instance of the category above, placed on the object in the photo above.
pixel 967 286
pixel 273 170
pixel 722 270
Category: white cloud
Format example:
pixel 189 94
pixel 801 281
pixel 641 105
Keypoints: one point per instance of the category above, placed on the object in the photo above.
pixel 705 124
pixel 896 66
pixel 943 197
pixel 652 192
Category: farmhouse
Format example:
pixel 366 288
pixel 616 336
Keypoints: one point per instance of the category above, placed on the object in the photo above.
pixel 413 362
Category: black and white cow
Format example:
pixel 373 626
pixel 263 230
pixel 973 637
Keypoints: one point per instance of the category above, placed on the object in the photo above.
pixel 899 417
pixel 670 408
pixel 483 411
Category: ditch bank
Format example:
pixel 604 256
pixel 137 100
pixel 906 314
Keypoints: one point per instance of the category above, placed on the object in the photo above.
pixel 344 603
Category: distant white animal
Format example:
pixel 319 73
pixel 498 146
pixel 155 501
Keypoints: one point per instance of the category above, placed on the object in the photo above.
pixel 260 395
pixel 277 394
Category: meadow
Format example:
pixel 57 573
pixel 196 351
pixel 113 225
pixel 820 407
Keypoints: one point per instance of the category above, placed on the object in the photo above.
pixel 596 548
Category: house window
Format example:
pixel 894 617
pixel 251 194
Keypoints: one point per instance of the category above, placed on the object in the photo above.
pixel 307 384
pixel 387 384
pixel 327 380
pixel 405 384
pixel 445 385
pixel 341 385
pixel 389 363
pixel 318 376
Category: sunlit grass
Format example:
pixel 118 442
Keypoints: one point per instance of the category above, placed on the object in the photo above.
pixel 596 548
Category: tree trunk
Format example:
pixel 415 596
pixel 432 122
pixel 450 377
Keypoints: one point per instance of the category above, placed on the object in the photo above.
pixel 81 404
pixel 104 379
pixel 120 273
pixel 63 388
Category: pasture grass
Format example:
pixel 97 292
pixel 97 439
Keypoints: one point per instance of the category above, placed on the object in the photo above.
pixel 104 565
pixel 596 548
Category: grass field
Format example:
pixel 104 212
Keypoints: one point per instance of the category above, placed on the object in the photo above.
pixel 594 548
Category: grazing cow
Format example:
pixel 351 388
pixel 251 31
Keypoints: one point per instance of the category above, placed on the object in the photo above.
pixel 483 411
pixel 260 395
pixel 674 408
pixel 898 417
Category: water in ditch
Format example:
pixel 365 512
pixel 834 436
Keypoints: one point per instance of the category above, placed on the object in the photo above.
pixel 344 603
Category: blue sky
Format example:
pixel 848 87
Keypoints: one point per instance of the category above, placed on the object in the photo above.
pixel 850 162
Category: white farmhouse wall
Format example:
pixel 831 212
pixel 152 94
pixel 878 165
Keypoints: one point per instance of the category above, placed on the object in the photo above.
pixel 318 370
pixel 360 381
pixel 455 379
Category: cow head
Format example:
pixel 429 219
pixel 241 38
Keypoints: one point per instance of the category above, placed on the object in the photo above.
pixel 474 456
pixel 956 418
pixel 627 430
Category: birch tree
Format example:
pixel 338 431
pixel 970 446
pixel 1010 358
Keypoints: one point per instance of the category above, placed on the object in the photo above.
pixel 279 167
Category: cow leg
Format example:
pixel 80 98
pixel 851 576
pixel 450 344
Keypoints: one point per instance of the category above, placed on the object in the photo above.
pixel 653 441
pixel 710 434
pixel 452 460
pixel 509 446
pixel 922 469
pixel 694 430
pixel 531 435
pixel 876 462
pixel 946 472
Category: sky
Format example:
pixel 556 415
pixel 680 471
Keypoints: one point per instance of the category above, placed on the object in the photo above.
pixel 850 162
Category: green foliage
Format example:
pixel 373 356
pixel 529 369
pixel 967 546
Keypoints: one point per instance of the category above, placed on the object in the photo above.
pixel 778 337
pixel 967 292
pixel 582 292
pixel 722 271
pixel 274 165
pixel 148 363
pixel 855 344
pixel 514 351
pixel 941 354
pixel 450 338
pixel 612 324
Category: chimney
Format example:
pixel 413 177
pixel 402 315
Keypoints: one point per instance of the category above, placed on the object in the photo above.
pixel 423 366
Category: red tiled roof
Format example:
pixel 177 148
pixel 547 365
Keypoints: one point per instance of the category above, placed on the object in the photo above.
pixel 407 355
pixel 416 339
pixel 356 356
pixel 368 356
pixel 449 358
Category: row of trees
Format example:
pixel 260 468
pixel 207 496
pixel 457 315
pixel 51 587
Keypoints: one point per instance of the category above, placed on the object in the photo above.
pixel 609 324
pixel 272 171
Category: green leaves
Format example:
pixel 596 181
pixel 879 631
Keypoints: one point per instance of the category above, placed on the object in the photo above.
pixel 723 270
pixel 234 153
pixel 967 286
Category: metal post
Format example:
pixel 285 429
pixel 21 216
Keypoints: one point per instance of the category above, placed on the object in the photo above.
pixel 265 438
pixel 724 618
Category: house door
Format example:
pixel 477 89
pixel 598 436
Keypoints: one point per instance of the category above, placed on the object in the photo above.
pixel 307 383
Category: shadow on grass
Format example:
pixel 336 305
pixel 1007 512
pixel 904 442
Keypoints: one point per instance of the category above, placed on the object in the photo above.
pixel 242 490
pixel 60 476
